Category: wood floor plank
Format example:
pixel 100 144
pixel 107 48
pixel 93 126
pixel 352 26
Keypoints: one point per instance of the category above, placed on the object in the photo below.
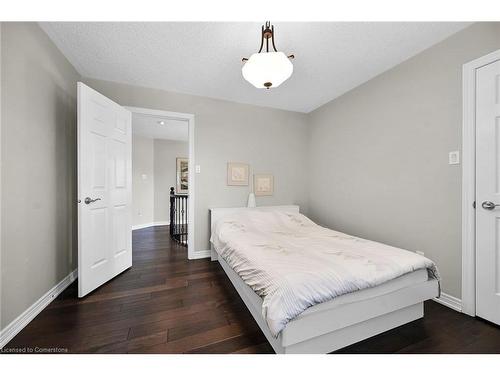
pixel 263 348
pixel 231 344
pixel 131 345
pixel 186 328
pixel 168 304
pixel 195 341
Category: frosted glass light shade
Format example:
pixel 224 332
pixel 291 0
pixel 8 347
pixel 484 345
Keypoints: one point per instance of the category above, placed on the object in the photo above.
pixel 267 67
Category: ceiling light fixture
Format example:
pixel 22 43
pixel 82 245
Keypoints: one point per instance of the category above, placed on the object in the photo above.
pixel 161 122
pixel 267 69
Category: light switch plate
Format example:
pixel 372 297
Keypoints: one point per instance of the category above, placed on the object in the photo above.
pixel 454 157
pixel 144 177
pixel 197 169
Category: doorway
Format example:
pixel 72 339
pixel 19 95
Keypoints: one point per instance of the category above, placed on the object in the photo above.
pixel 481 188
pixel 167 140
pixel 160 184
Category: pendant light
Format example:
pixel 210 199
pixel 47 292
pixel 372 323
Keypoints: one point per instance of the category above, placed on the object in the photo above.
pixel 266 69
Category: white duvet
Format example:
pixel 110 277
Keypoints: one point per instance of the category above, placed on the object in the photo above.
pixel 293 263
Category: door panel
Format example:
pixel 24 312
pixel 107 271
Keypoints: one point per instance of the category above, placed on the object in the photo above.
pixel 97 251
pixel 488 192
pixel 104 176
pixel 119 226
pixel 98 156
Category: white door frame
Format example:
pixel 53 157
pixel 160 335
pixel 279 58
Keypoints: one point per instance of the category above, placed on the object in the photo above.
pixel 469 180
pixel 191 172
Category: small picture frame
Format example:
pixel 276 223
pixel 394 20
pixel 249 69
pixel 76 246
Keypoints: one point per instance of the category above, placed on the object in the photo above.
pixel 237 174
pixel 182 168
pixel 263 184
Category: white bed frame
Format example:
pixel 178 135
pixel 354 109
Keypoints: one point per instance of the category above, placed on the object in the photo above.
pixel 329 326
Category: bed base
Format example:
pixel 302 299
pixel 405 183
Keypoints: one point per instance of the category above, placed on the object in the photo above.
pixel 331 327
pixel 328 330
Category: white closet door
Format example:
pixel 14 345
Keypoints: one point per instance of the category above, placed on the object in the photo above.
pixel 104 189
pixel 488 192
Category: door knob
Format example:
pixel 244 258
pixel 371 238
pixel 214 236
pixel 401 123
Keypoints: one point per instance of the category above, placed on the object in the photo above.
pixel 487 205
pixel 90 200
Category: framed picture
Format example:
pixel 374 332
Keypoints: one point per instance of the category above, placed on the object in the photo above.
pixel 237 174
pixel 182 186
pixel 263 184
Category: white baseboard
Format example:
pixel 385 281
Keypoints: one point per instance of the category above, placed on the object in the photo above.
pixel 147 225
pixel 31 312
pixel 201 254
pixel 450 301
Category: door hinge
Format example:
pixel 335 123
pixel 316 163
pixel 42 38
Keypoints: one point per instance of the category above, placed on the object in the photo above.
pixel 474 204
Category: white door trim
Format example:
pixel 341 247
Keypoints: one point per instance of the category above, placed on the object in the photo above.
pixel 469 180
pixel 191 173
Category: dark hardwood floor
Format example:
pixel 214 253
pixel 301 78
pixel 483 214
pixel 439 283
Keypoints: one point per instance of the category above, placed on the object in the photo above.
pixel 166 304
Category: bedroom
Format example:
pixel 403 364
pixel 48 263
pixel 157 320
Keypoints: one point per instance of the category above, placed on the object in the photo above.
pixel 378 156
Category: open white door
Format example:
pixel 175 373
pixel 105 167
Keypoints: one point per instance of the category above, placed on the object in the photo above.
pixel 104 189
pixel 488 192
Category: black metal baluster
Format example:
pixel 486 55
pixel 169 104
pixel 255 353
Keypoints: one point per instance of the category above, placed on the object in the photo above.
pixel 172 203
pixel 178 219
pixel 183 218
pixel 187 218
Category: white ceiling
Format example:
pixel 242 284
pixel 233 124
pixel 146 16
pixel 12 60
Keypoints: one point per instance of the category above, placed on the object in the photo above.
pixel 148 126
pixel 204 58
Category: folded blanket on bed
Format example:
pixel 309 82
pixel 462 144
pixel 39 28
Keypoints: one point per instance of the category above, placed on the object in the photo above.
pixel 293 263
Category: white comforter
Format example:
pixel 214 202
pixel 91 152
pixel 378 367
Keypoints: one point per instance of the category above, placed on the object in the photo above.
pixel 293 263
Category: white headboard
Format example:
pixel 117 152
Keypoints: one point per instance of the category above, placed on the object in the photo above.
pixel 217 213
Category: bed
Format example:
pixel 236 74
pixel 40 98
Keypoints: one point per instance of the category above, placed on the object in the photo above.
pixel 314 315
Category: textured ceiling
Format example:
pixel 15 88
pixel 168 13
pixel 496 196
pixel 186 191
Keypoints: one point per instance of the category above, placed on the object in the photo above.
pixel 204 58
pixel 148 126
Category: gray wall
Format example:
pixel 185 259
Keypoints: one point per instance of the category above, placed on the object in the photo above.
pixel 165 154
pixel 379 154
pixel 38 167
pixel 142 188
pixel 270 140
